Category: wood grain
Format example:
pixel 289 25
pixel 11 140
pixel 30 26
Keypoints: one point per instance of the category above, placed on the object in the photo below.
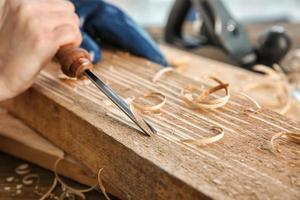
pixel 199 67
pixel 75 117
pixel 31 146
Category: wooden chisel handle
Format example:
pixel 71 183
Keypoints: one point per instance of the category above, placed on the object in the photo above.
pixel 74 60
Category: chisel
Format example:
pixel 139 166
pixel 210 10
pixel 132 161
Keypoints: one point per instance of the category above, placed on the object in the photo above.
pixel 76 62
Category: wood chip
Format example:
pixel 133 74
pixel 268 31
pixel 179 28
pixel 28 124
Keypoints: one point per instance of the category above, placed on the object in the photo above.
pixel 7 188
pixel 10 179
pixel 29 179
pixel 256 105
pixel 48 193
pixel 102 188
pixel 19 186
pixel 22 169
pixel 150 108
pixel 206 141
pixel 67 186
pixel 161 72
pixel 200 101
pixel 293 137
pixel 277 81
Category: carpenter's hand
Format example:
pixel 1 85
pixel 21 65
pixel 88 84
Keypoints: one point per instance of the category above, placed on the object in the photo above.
pixel 31 32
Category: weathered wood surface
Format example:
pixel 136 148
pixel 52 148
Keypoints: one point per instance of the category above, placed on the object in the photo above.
pixel 21 141
pixel 17 139
pixel 238 78
pixel 74 116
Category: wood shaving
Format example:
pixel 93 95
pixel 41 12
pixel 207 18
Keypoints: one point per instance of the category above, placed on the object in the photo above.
pixel 66 79
pixel 276 80
pixel 191 95
pixel 19 186
pixel 10 179
pixel 7 188
pixel 71 195
pixel 102 188
pixel 206 141
pixel 161 72
pixel 293 137
pixel 48 193
pixel 251 110
pixel 29 179
pixel 150 108
pixel 67 186
pixel 22 169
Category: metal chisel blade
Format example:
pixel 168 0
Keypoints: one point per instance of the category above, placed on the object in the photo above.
pixel 122 105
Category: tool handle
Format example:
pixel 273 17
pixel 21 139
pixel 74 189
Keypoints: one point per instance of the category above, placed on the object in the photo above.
pixel 74 60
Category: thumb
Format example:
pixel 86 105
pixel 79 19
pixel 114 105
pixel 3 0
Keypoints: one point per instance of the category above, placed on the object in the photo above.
pixel 91 46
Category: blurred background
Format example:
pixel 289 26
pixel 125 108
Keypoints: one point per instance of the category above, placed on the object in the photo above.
pixel 155 12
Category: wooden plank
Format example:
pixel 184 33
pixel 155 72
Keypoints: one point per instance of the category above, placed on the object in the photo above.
pixel 74 117
pixel 32 147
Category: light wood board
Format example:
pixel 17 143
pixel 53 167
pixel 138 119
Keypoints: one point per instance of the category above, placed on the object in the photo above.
pixel 76 118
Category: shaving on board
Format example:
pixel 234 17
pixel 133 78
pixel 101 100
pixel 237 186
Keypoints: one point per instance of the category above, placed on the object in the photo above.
pixel 205 141
pixel 160 73
pixel 293 137
pixel 276 80
pixel 197 97
pixel 150 108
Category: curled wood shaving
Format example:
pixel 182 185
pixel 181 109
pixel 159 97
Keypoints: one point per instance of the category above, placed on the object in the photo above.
pixel 48 193
pixel 293 137
pixel 71 195
pixel 82 80
pixel 206 141
pixel 29 179
pixel 137 115
pixel 191 96
pixel 274 79
pixel 161 73
pixel 102 188
pixel 22 169
pixel 251 110
pixel 67 186
pixel 150 108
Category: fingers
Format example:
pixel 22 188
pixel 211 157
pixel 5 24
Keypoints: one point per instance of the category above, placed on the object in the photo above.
pixel 48 22
pixel 51 23
pixel 67 34
pixel 41 6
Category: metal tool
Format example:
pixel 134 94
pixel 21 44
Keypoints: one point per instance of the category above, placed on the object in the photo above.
pixel 220 29
pixel 76 62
